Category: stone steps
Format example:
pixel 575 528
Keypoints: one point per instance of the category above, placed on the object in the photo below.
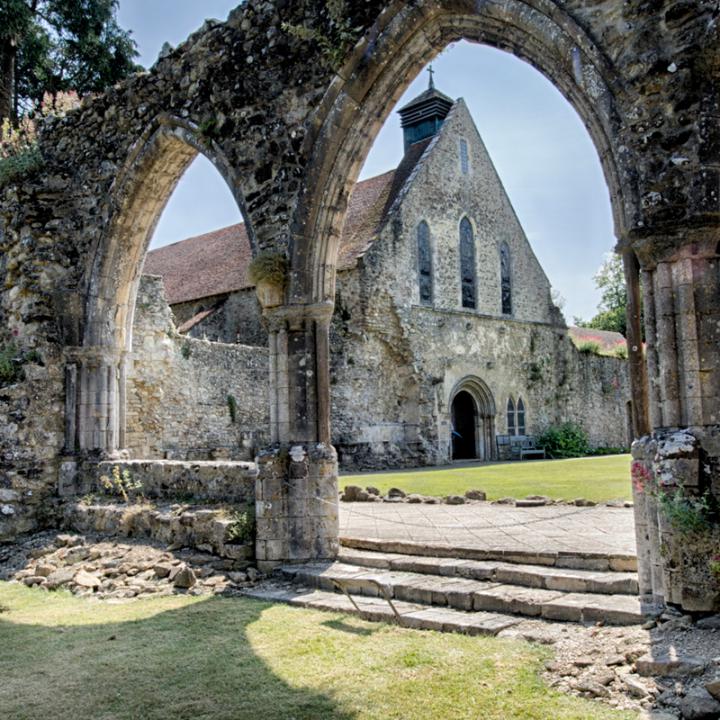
pixel 468 595
pixel 411 615
pixel 570 560
pixel 533 576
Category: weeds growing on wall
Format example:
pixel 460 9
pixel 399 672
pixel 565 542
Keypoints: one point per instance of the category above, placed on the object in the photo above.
pixel 564 441
pixel 589 347
pixel 242 529
pixel 12 360
pixel 687 514
pixel 19 152
pixel 268 267
pixel 335 40
pixel 121 483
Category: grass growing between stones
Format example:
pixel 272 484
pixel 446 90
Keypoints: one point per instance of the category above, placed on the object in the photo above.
pixel 185 657
pixel 595 478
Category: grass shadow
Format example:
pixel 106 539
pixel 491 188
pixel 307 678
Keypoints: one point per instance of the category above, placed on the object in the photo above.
pixel 149 668
pixel 346 627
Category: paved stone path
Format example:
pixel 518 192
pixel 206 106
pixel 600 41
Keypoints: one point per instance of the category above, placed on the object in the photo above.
pixel 554 528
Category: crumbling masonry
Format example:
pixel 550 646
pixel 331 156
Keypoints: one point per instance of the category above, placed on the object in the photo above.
pixel 288 122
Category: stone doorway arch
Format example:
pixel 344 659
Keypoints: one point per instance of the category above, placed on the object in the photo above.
pixel 472 417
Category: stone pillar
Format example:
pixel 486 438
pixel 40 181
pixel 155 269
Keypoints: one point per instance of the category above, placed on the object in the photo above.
pixel 94 398
pixel 676 468
pixel 296 490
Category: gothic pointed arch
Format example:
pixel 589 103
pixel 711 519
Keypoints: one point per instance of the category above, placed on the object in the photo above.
pixel 520 416
pixel 468 275
pixel 425 263
pixel 505 279
pixel 510 410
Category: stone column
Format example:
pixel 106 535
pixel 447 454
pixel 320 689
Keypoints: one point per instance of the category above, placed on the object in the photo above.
pixel 677 466
pixel 296 490
pixel 94 395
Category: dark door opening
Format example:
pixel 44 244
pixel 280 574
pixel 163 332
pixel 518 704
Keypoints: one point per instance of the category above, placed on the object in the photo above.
pixel 464 441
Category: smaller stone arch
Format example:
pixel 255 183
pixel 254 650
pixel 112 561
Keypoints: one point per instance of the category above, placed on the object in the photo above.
pixel 472 389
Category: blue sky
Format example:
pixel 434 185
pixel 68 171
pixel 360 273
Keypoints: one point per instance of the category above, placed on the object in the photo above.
pixel 538 143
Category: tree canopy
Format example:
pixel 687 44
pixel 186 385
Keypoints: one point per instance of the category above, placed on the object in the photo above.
pixel 59 45
pixel 610 278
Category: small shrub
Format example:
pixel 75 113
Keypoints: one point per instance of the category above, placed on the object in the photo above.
pixel 589 347
pixel 715 566
pixel 564 441
pixel 232 407
pixel 185 350
pixel 607 451
pixel 242 530
pixel 686 514
pixel 10 365
pixel 121 483
pixel 268 267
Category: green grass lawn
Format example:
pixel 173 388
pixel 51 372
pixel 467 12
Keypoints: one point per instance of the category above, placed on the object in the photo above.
pixel 225 658
pixel 594 478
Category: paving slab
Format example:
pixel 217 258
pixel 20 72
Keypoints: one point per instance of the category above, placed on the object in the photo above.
pixel 549 529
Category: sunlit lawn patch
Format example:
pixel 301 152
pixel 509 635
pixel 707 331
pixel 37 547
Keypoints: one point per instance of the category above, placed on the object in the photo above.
pixel 182 657
pixel 595 478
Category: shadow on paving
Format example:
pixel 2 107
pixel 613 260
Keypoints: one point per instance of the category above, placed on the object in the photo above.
pixel 149 669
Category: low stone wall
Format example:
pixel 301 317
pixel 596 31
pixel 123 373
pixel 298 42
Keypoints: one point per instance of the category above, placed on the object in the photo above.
pixel 207 529
pixel 232 482
pixel 191 399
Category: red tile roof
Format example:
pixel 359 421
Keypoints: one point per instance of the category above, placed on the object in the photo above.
pixel 217 262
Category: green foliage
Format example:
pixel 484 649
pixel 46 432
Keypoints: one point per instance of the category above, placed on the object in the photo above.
pixel 609 450
pixel 232 407
pixel 242 530
pixel 268 267
pixel 10 365
pixel 185 350
pixel 621 352
pixel 687 514
pixel 335 39
pixel 564 441
pixel 58 45
pixel 589 347
pixel 12 360
pixel 25 163
pixel 121 483
pixel 208 128
pixel 715 566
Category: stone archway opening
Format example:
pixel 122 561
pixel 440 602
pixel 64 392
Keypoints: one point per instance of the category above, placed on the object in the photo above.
pixel 119 398
pixel 472 421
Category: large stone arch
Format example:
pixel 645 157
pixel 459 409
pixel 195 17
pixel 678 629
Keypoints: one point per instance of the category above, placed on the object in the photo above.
pixel 293 119
pixel 95 373
pixel 403 41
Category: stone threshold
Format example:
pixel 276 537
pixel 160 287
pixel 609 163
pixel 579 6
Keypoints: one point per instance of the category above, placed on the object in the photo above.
pixel 617 562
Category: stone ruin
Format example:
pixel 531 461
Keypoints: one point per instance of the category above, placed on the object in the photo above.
pixel 288 121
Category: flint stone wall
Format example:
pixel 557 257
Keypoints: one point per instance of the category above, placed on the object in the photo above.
pixel 179 390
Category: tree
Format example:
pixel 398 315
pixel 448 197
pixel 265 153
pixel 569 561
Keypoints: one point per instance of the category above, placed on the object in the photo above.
pixel 610 278
pixel 59 45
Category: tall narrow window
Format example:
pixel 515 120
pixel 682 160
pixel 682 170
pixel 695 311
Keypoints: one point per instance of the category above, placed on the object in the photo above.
pixel 505 280
pixel 464 158
pixel 425 277
pixel 467 263
pixel 511 416
pixel 521 417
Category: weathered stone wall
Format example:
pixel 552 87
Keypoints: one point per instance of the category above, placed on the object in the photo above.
pixel 237 318
pixel 180 390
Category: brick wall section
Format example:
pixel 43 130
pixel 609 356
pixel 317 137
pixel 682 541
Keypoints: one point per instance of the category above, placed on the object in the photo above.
pixel 178 390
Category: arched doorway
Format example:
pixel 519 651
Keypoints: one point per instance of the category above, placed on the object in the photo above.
pixel 464 419
pixel 472 418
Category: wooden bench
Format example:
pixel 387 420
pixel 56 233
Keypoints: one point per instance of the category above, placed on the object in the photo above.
pixel 518 447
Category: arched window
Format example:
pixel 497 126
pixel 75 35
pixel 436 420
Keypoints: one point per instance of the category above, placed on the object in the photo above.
pixel 511 416
pixel 425 277
pixel 520 417
pixel 505 281
pixel 464 158
pixel 467 263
